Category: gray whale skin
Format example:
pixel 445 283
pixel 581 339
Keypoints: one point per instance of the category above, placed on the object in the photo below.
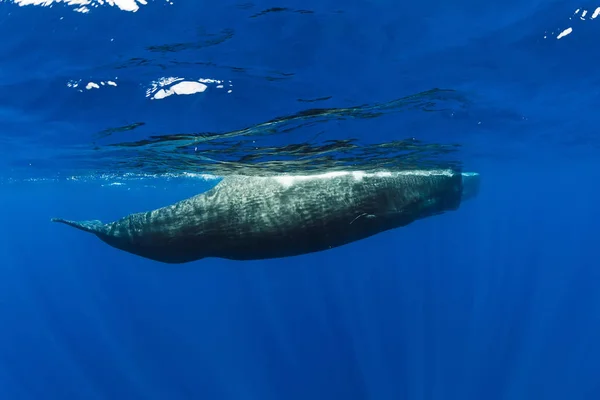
pixel 252 218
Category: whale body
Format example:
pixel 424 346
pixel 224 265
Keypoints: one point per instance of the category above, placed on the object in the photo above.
pixel 264 217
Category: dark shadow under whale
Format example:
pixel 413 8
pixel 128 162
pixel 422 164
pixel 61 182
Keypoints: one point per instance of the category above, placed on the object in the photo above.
pixel 252 218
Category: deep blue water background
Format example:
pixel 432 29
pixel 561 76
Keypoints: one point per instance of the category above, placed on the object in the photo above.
pixel 498 300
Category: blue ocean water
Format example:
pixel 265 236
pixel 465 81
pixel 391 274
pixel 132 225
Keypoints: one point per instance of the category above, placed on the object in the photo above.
pixel 114 107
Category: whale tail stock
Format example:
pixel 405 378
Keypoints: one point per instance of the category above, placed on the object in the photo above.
pixel 95 226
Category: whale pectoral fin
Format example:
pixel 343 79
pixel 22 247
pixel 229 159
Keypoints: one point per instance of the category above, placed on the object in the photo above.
pixel 94 226
pixel 363 215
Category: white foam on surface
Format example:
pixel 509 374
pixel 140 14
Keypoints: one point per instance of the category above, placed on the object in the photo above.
pixel 168 86
pixel 581 14
pixel 161 88
pixel 84 6
pixel 564 33
pixel 76 84
pixel 185 87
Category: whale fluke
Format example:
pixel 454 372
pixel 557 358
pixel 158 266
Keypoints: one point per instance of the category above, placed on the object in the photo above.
pixel 95 226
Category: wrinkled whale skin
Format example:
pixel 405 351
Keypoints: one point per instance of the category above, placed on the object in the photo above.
pixel 251 218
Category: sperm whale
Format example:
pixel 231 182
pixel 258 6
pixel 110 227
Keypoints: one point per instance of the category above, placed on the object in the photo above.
pixel 265 217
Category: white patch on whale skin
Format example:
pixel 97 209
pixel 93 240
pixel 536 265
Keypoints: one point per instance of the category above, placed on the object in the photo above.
pixel 289 180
